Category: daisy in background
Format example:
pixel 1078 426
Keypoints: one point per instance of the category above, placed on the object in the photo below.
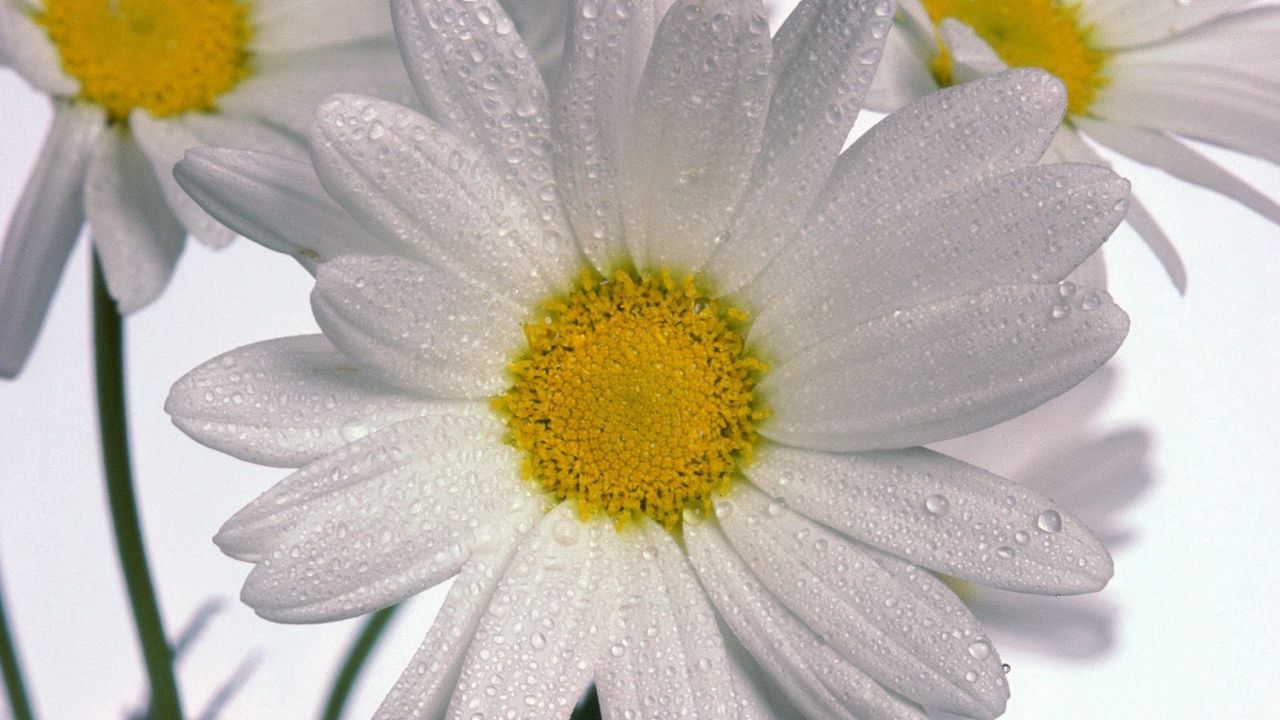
pixel 1057 450
pixel 135 84
pixel 1141 76
pixel 646 363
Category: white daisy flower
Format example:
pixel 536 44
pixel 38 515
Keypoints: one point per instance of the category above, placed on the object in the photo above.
pixel 1141 75
pixel 1058 450
pixel 646 361
pixel 135 83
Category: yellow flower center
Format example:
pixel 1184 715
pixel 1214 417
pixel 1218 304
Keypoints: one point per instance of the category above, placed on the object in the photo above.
pixel 1048 34
pixel 634 397
pixel 167 56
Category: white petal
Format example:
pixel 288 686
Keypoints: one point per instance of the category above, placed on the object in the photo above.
pixel 133 230
pixel 290 401
pixel 165 141
pixel 291 25
pixel 275 201
pixel 823 685
pixel 904 75
pixel 698 119
pixel 475 76
pixel 971 57
pixel 379 519
pixel 26 47
pixel 549 614
pixel 285 89
pixel 43 229
pixel 941 514
pixel 891 619
pixel 825 55
pixel 943 369
pixel 604 58
pixel 1033 225
pixel 664 642
pixel 1067 145
pixel 1159 150
pixel 418 326
pixel 415 185
pixel 425 687
pixel 1122 23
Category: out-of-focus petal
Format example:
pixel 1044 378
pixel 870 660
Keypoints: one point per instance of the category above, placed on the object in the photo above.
pixel 293 25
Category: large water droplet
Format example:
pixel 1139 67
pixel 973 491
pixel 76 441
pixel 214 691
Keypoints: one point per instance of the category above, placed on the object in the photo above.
pixel 980 649
pixel 1049 521
pixel 936 504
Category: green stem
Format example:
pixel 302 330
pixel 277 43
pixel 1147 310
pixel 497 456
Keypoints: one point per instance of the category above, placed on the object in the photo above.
pixel 589 707
pixel 360 650
pixel 108 332
pixel 19 703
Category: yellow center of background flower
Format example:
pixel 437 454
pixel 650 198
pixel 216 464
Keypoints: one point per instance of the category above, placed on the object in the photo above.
pixel 1030 33
pixel 167 56
pixel 635 397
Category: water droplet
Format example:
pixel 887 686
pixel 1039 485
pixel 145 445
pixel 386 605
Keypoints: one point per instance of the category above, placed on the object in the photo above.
pixel 1049 521
pixel 1006 668
pixel 565 532
pixel 775 507
pixel 971 676
pixel 936 504
pixel 1005 552
pixel 1066 289
pixel 537 641
pixel 980 649
pixel 1090 301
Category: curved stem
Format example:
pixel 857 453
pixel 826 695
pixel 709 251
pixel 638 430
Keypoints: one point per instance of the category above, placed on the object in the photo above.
pixel 19 703
pixel 360 650
pixel 589 707
pixel 108 331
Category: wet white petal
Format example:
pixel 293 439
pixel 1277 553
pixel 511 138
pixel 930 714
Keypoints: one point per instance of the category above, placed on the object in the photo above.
pixel 274 200
pixel 890 618
pixel 418 326
pixel 665 655
pixel 43 229
pixel 941 514
pixel 549 613
pixel 290 401
pixel 412 183
pixel 134 231
pixel 695 130
pixel 939 370
pixel 378 520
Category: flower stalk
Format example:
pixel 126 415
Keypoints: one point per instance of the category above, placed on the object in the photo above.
pixel 360 651
pixel 108 331
pixel 19 702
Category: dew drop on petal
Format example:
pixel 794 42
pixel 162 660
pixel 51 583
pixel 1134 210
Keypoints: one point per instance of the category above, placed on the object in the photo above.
pixel 1049 521
pixel 936 504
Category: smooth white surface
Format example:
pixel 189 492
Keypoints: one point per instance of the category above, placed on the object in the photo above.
pixel 1196 589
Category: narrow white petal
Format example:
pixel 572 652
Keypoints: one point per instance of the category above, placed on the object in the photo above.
pixel 904 75
pixel 1159 150
pixel 549 613
pixel 941 514
pixel 605 54
pixel 971 57
pixel 379 519
pixel 414 184
pixel 286 88
pixel 44 227
pixel 825 55
pixel 26 47
pixel 290 401
pixel 1124 23
pixel 133 229
pixel 666 657
pixel 475 76
pixel 425 687
pixel 918 375
pixel 292 25
pixel 696 128
pixel 274 200
pixel 891 619
pixel 1067 145
pixel 821 683
pixel 418 326
pixel 164 142
pixel 1033 225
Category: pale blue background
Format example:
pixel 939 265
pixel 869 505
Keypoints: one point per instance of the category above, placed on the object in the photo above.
pixel 1198 589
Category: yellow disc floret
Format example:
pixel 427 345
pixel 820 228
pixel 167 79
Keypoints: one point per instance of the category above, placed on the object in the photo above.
pixel 634 397
pixel 1048 34
pixel 167 56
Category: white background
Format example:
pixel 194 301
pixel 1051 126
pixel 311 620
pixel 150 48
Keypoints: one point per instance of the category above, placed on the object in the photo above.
pixel 1197 590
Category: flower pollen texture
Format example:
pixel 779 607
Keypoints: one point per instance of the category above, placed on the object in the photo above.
pixel 163 56
pixel 635 397
pixel 1047 34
